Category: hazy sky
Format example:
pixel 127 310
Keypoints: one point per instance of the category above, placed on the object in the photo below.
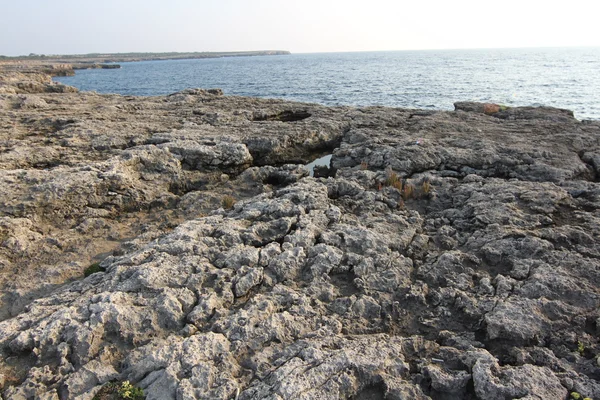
pixel 82 26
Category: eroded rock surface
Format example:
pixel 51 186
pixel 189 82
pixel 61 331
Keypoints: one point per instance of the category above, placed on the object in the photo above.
pixel 453 255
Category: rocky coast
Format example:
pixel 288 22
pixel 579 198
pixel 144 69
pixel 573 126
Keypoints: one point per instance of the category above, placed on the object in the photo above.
pixel 178 242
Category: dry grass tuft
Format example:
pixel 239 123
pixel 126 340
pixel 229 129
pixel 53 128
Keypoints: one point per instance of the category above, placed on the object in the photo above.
pixel 227 202
pixel 417 190
pixel 392 178
pixel 426 187
pixel 408 191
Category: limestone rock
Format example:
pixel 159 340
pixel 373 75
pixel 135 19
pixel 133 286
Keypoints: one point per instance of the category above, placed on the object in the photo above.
pixel 447 255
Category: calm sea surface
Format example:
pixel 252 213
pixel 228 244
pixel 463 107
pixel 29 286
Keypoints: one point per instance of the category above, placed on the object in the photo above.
pixel 567 78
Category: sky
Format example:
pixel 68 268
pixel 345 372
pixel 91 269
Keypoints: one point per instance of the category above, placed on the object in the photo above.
pixel 306 26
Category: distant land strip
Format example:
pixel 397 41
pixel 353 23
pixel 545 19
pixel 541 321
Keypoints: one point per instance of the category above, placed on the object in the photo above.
pixel 65 64
pixel 126 57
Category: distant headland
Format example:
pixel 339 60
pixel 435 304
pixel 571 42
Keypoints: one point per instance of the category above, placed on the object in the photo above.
pixel 108 60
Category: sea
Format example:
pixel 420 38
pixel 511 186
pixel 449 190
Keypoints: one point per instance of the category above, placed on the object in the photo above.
pixel 429 79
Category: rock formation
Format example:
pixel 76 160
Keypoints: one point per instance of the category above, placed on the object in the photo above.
pixel 452 255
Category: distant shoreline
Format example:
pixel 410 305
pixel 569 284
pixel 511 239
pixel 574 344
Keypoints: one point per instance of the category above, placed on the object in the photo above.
pixel 95 58
pixel 66 64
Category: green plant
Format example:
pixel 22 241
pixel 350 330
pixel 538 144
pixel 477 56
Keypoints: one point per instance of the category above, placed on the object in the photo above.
pixel 580 347
pixel 119 391
pixel 92 269
pixel 575 396
pixel 227 202
pixel 128 391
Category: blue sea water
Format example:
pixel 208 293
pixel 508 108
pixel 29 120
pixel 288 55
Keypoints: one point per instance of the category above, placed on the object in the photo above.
pixel 560 77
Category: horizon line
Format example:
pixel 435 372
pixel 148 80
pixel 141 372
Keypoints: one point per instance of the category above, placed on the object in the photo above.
pixel 303 52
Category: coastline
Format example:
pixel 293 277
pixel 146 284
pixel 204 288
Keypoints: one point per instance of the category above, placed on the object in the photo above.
pixel 109 60
pixel 399 88
pixel 442 253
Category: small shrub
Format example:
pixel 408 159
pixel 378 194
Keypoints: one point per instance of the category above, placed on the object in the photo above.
pixel 364 165
pixel 92 269
pixel 119 391
pixel 575 396
pixel 128 391
pixel 227 202
pixel 580 347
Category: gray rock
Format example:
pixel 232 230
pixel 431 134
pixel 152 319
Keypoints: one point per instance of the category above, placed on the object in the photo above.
pixel 494 382
pixel 449 248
